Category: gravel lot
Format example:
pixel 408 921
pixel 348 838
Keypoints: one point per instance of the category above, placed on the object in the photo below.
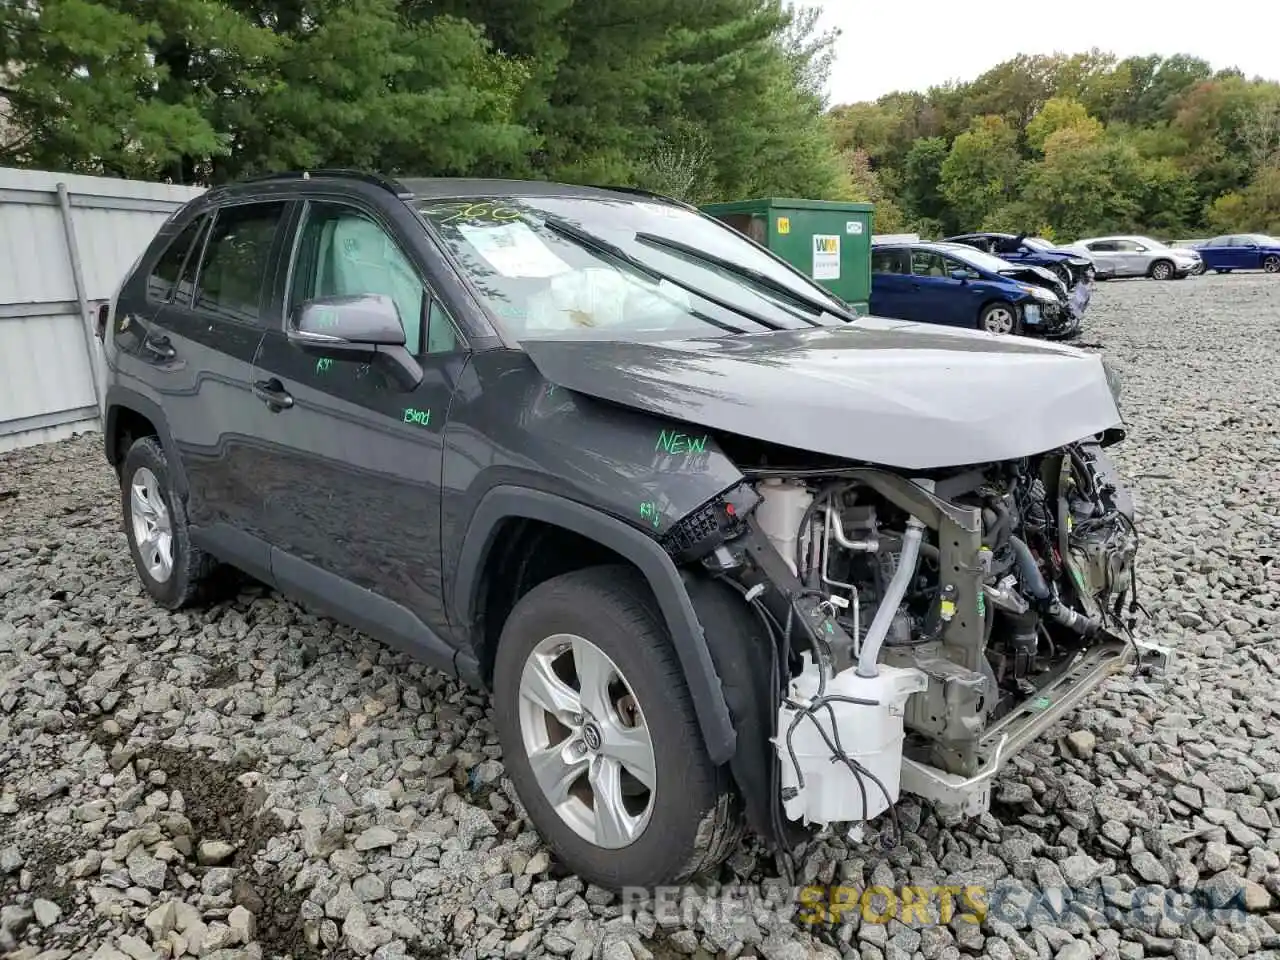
pixel 252 781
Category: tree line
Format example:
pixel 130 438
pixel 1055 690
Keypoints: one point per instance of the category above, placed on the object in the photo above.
pixel 1070 146
pixel 702 98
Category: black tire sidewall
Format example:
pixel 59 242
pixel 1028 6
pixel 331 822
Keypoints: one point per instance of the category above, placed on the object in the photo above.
pixel 148 453
pixel 685 779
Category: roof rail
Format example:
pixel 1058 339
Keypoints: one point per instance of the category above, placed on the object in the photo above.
pixel 377 179
pixel 642 192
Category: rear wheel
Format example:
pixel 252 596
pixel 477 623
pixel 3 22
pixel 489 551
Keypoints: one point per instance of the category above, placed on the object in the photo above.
pixel 1162 270
pixel 999 317
pixel 1271 264
pixel 172 570
pixel 599 734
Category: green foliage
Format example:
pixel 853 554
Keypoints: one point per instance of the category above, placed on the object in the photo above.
pixel 1256 209
pixel 714 100
pixel 981 172
pixel 1066 146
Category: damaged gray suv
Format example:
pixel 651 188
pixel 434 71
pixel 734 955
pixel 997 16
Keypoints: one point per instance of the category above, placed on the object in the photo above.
pixel 724 557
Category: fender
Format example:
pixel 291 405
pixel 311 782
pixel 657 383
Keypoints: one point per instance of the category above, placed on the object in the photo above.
pixel 119 398
pixel 505 502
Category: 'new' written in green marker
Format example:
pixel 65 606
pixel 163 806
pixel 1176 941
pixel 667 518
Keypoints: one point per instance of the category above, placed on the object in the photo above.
pixel 674 442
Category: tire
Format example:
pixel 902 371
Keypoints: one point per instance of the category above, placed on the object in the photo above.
pixel 687 821
pixel 1271 264
pixel 174 572
pixel 999 317
pixel 1161 270
pixel 1064 274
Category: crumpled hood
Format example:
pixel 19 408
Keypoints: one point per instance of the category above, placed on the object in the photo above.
pixel 887 392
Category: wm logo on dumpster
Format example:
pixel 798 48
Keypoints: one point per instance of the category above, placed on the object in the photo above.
pixel 826 245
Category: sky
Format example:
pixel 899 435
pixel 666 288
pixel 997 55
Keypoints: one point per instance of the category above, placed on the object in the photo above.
pixel 912 45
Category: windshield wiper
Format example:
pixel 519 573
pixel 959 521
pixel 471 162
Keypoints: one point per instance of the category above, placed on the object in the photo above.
pixel 600 245
pixel 747 273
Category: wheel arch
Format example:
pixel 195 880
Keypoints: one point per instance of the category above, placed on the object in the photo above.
pixel 130 415
pixel 505 503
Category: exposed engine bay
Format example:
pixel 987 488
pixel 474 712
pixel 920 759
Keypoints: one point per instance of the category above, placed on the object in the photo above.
pixel 934 624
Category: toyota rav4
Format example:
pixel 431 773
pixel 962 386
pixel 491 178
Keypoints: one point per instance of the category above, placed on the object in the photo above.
pixel 724 556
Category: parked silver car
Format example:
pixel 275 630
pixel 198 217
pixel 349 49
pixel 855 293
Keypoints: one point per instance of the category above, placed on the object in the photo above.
pixel 1136 256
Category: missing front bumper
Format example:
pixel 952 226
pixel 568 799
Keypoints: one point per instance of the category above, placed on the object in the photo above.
pixel 971 796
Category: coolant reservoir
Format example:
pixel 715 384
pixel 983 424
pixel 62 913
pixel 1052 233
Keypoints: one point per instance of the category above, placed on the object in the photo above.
pixel 870 735
pixel 783 505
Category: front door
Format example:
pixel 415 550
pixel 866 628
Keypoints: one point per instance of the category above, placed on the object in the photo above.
pixel 938 297
pixel 352 461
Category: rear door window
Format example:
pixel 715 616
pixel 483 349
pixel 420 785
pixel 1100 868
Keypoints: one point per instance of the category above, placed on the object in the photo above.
pixel 237 260
pixel 889 261
pixel 164 277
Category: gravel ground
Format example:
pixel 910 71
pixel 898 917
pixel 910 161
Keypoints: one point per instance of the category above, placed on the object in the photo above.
pixel 252 781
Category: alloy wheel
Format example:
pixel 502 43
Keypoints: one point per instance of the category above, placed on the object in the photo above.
pixel 998 320
pixel 152 525
pixel 587 741
pixel 1161 271
pixel 1272 265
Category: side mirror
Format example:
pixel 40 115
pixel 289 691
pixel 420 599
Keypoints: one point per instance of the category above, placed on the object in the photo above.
pixel 365 328
pixel 961 275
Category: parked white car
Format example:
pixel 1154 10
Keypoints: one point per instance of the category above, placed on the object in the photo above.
pixel 1136 256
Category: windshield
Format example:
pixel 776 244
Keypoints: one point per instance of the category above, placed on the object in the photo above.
pixel 555 267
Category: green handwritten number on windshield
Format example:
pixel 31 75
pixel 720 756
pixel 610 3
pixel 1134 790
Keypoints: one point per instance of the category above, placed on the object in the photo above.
pixel 323 365
pixel 673 442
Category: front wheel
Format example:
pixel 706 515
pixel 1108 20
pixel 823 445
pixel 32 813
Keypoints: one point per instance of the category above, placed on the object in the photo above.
pixel 599 735
pixel 1064 274
pixel 1271 264
pixel 999 317
pixel 1162 270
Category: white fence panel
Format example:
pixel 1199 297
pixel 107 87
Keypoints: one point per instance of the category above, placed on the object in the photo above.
pixel 66 242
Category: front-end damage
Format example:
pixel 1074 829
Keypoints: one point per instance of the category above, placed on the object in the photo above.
pixel 924 559
pixel 925 628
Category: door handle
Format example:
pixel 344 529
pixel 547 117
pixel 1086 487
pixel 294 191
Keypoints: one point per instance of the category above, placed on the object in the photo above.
pixel 273 394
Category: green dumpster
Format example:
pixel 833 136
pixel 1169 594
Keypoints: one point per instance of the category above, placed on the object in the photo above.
pixel 827 240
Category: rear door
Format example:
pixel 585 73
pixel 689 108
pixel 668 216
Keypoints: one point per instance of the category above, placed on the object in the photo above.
pixel 209 329
pixel 1216 253
pixel 1243 254
pixel 351 470
pixel 891 282
pixel 1106 255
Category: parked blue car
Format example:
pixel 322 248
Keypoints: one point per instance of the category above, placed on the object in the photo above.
pixel 1071 267
pixel 956 285
pixel 1241 251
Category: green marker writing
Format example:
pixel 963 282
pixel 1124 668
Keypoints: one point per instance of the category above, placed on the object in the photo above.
pixel 673 442
pixel 421 417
